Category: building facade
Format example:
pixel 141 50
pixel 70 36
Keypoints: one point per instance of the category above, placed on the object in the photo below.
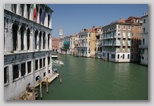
pixel 144 41
pixel 84 43
pixel 117 40
pixel 27 46
pixel 55 44
pixel 99 36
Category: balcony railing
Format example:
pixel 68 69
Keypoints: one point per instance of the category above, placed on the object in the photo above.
pixel 143 46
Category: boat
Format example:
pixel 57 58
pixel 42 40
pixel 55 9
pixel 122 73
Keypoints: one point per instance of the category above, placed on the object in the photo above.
pixel 54 56
pixel 58 63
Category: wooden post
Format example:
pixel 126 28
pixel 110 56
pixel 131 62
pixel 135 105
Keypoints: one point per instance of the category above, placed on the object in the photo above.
pixel 60 77
pixel 47 84
pixel 40 89
pixel 33 90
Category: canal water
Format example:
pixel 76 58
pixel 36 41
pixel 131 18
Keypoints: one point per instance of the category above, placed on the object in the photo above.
pixel 95 79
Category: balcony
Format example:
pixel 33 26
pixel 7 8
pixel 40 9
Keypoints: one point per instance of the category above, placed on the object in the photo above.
pixel 107 44
pixel 143 46
pixel 116 44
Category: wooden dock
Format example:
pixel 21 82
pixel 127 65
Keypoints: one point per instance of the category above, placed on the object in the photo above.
pixel 50 79
pixel 33 95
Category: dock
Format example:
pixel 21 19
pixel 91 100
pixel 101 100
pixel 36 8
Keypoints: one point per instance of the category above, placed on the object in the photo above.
pixel 32 96
pixel 50 79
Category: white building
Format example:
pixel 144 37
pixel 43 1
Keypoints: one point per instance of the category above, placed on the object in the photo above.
pixel 84 43
pixel 144 41
pixel 73 40
pixel 27 46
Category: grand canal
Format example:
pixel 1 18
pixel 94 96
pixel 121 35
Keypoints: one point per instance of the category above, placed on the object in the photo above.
pixel 95 79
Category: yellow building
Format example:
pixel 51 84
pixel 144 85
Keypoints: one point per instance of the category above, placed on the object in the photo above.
pixel 93 32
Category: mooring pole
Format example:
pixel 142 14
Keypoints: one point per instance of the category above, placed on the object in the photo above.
pixel 40 89
pixel 60 77
pixel 47 84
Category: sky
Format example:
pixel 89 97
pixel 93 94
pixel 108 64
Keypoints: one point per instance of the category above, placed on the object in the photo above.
pixel 75 17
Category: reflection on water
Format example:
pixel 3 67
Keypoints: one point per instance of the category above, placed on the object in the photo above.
pixel 94 79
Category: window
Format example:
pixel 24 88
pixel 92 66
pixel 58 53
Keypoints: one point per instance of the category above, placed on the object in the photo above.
pixel 128 27
pixel 103 54
pixel 48 71
pixel 6 76
pixel 40 63
pixel 143 30
pixel 124 27
pixel 43 62
pixel 15 72
pixel 143 41
pixel 142 57
pixel 36 64
pixel 44 41
pixel 123 56
pixel 144 21
pixel 23 70
pixel 29 66
pixel 40 42
pixel 13 7
pixel 118 56
pixel 48 60
pixel 28 39
pixel 44 74
pixel 128 56
pixel 132 33
pixel 48 40
pixel 113 56
pixel 22 9
pixel 37 78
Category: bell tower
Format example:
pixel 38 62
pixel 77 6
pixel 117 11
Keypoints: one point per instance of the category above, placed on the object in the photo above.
pixel 61 32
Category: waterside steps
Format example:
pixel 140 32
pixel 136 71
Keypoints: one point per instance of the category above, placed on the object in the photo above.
pixel 33 94
pixel 25 95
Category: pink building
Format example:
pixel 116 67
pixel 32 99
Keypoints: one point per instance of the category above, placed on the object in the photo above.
pixel 55 44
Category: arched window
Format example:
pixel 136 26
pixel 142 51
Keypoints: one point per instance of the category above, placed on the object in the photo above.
pixel 28 39
pixel 123 56
pixel 48 20
pixel 48 40
pixel 22 9
pixel 15 38
pixel 44 40
pixel 13 7
pixel 40 38
pixel 28 11
pixel 128 56
pixel 40 15
pixel 36 32
pixel 22 30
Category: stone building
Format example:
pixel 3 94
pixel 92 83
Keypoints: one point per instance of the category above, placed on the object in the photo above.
pixel 27 46
pixel 84 43
pixel 121 40
pixel 145 39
